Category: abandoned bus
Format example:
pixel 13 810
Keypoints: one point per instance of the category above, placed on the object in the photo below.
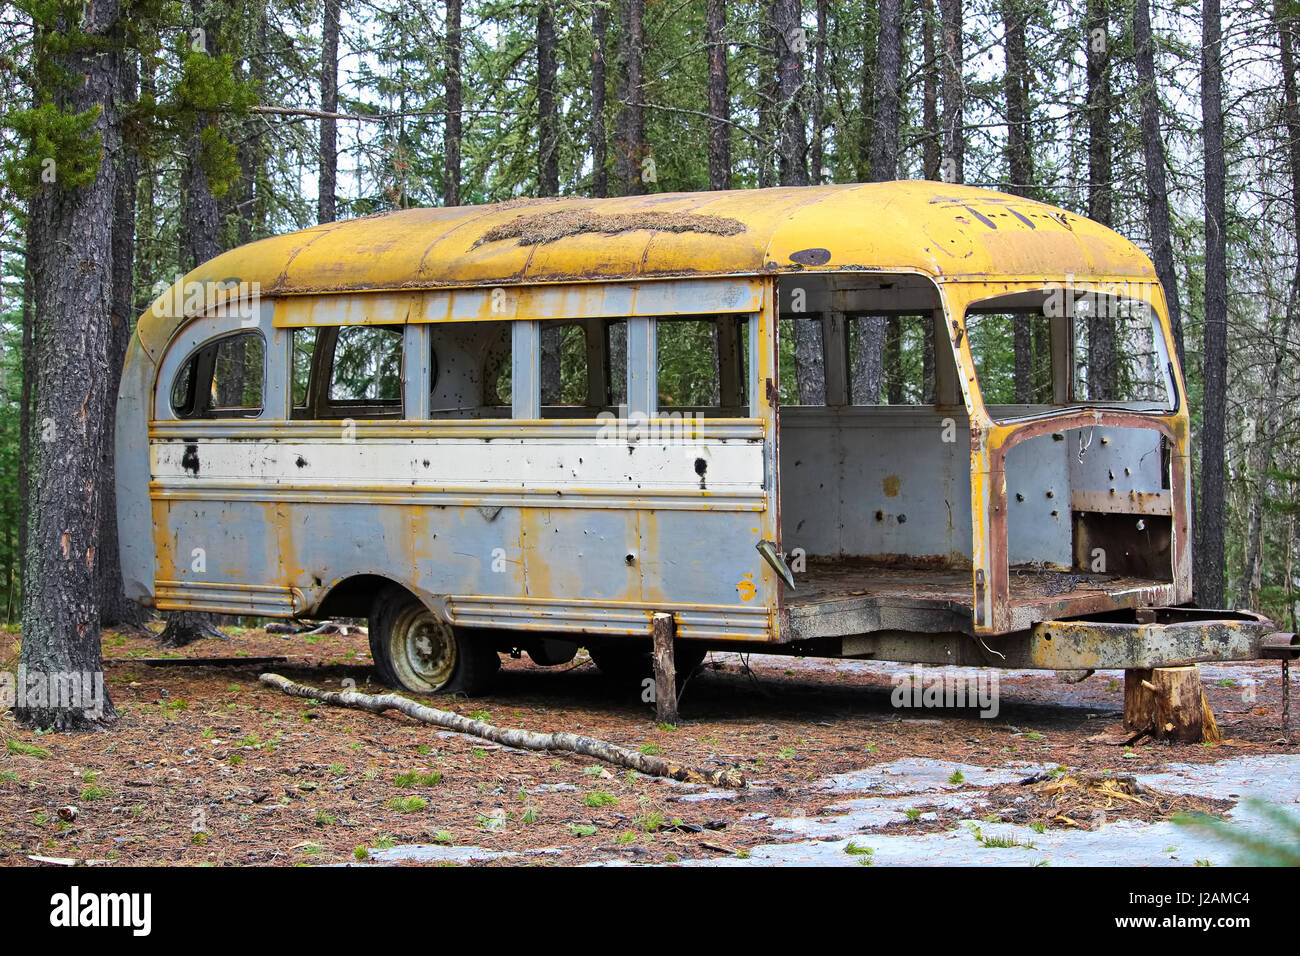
pixel 908 421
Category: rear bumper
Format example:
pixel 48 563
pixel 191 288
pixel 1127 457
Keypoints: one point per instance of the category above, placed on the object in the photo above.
pixel 1158 637
pixel 1162 637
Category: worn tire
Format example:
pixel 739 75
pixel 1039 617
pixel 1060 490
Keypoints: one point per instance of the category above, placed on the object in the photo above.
pixel 415 650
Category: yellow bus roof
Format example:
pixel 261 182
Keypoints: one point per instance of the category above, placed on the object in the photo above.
pixel 943 230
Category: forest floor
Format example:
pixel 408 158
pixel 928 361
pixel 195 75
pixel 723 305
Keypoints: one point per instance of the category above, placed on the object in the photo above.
pixel 207 766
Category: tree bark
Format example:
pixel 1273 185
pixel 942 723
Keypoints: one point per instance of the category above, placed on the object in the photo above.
pixel 327 185
pixel 818 152
pixel 73 280
pixel 200 241
pixel 867 93
pixel 1287 30
pixel 548 117
pixel 1209 568
pixel 200 233
pixel 932 148
pixel 599 150
pixel 186 627
pixel 1015 89
pixel 1169 703
pixel 868 361
pixel 664 631
pixel 790 44
pixel 630 126
pixel 452 131
pixel 1102 366
pixel 1020 170
pixel 888 95
pixel 1153 152
pixel 715 27
pixel 792 162
pixel 954 123
pixel 115 609
pixel 509 737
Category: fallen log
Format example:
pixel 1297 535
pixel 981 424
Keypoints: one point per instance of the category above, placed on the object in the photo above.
pixel 522 739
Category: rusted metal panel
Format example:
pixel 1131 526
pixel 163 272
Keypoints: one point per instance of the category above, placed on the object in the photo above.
pixel 1079 645
pixel 1178 638
pixel 873 480
pixel 131 464
pixel 1128 503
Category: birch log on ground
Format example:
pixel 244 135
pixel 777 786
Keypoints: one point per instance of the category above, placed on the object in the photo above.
pixel 511 737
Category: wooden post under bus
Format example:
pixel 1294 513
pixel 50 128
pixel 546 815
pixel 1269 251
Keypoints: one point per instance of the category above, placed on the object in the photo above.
pixel 1170 704
pixel 664 629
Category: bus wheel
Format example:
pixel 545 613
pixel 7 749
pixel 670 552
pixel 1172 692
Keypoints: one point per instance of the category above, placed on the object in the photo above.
pixel 416 650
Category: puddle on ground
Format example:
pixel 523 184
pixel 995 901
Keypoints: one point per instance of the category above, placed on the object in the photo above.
pixel 430 853
pixel 923 774
pixel 843 838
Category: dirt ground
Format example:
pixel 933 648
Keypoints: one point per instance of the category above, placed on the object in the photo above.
pixel 205 766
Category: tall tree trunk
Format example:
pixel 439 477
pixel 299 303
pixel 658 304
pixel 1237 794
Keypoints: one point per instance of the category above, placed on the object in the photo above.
pixel 878 345
pixel 31 260
pixel 867 93
pixel 1020 171
pixel 888 95
pixel 868 375
pixel 452 130
pixel 201 230
pixel 1153 153
pixel 1208 579
pixel 1209 531
pixel 599 151
pixel 329 103
pixel 548 176
pixel 1015 88
pixel 954 123
pixel 932 150
pixel 115 609
pixel 73 277
pixel 548 117
pixel 1103 369
pixel 200 241
pixel 818 154
pixel 715 29
pixel 792 136
pixel 630 126
pixel 1288 33
pixel 790 44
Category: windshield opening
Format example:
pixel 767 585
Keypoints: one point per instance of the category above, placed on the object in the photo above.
pixel 1041 351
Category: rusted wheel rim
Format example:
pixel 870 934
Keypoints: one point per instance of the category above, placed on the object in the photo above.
pixel 423 649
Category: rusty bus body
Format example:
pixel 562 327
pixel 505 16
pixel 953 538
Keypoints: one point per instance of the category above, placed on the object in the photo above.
pixel 354 420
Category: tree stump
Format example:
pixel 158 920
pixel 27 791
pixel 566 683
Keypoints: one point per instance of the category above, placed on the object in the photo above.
pixel 664 628
pixel 1170 704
